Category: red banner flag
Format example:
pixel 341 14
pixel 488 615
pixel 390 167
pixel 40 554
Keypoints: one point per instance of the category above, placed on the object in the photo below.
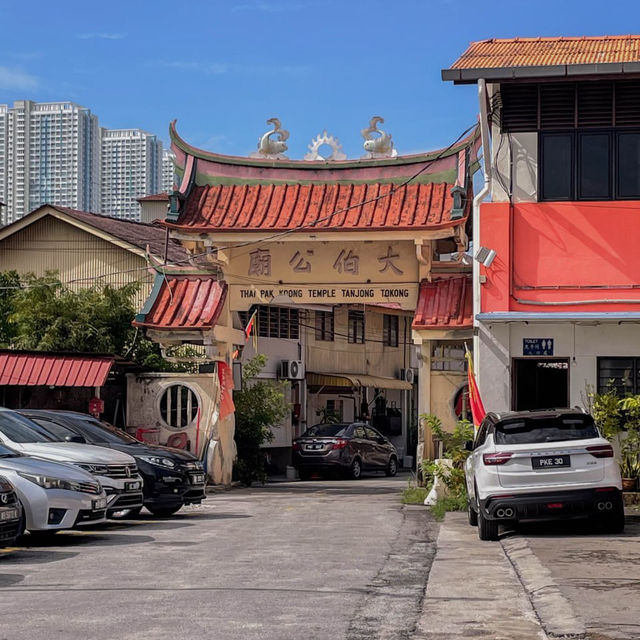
pixel 225 378
pixel 475 401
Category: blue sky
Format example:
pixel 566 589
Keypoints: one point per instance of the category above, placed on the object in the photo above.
pixel 223 67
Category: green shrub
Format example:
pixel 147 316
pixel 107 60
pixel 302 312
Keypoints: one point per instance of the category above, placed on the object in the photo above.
pixel 414 495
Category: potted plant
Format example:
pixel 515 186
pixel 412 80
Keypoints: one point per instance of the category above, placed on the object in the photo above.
pixel 630 445
pixel 630 471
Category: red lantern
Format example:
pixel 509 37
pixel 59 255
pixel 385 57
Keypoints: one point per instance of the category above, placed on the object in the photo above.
pixel 96 406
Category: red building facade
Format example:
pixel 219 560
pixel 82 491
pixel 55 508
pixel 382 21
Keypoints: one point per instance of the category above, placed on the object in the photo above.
pixel 557 310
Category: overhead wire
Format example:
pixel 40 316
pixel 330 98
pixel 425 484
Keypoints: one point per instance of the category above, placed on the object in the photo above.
pixel 272 237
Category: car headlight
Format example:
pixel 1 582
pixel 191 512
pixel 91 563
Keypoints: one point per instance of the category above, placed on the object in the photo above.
pixel 161 462
pixel 48 482
pixel 98 469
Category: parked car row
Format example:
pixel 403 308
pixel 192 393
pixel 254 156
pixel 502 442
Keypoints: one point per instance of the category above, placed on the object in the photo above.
pixel 61 470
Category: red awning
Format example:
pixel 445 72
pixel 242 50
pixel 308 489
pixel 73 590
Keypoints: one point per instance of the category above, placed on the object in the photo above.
pixel 184 302
pixel 445 303
pixel 19 368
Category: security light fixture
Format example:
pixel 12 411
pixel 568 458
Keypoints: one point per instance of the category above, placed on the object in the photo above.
pixel 485 256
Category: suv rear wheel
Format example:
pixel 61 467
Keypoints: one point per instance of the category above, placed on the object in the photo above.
pixel 615 521
pixel 487 529
pixel 472 514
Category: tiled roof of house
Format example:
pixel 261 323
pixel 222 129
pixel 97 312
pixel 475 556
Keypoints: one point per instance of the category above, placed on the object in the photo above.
pixel 528 52
pixel 139 234
pixel 22 368
pixel 156 197
pixel 320 207
pixel 186 302
pixel 445 303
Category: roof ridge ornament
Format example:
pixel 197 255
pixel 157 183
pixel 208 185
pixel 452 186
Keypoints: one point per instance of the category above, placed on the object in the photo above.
pixel 325 139
pixel 380 146
pixel 272 149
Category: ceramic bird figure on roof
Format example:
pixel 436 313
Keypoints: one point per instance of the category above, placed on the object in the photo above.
pixel 380 146
pixel 272 149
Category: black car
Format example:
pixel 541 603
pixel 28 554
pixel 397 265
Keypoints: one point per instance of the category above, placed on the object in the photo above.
pixel 350 448
pixel 172 478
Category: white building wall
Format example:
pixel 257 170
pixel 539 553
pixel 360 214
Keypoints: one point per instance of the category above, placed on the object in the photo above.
pixel 169 178
pixel 581 344
pixel 131 169
pixel 49 153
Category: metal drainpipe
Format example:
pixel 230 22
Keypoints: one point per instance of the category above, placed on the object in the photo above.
pixel 486 167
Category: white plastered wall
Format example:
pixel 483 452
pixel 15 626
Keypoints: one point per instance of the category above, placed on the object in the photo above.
pixel 581 343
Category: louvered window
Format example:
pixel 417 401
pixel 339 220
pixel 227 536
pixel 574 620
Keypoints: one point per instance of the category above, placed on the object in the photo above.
pixel 569 105
pixel 557 106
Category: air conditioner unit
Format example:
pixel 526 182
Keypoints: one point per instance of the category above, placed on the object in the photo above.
pixel 408 375
pixel 291 370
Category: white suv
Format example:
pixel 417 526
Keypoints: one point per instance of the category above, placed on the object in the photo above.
pixel 549 464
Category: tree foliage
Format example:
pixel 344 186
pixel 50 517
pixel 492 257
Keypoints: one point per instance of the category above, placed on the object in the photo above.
pixel 44 314
pixel 260 405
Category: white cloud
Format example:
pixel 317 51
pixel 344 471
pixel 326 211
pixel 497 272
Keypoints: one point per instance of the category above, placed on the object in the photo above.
pixel 100 36
pixel 219 68
pixel 17 79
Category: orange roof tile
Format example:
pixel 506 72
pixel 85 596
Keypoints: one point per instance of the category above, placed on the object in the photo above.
pixel 444 303
pixel 528 52
pixel 183 302
pixel 31 369
pixel 281 207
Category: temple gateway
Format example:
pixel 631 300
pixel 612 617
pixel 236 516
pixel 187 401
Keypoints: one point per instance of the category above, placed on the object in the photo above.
pixel 351 273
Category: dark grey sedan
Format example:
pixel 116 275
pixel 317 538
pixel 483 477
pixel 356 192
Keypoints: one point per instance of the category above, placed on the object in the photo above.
pixel 350 448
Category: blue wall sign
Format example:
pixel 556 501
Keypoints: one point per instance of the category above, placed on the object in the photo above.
pixel 537 346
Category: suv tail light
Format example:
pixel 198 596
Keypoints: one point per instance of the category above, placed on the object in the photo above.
pixel 601 451
pixel 496 458
pixel 340 443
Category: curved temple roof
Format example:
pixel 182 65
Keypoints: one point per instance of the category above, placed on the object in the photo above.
pixel 229 193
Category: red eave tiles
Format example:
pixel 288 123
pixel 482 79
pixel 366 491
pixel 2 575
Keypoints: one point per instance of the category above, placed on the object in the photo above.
pixel 530 52
pixel 444 303
pixel 318 207
pixel 186 302
pixel 35 370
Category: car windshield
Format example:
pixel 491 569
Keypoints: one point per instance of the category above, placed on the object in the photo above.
pixel 547 429
pixel 98 431
pixel 8 452
pixel 325 430
pixel 18 429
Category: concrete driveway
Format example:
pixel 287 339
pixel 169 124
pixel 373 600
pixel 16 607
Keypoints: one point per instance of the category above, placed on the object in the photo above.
pixel 319 559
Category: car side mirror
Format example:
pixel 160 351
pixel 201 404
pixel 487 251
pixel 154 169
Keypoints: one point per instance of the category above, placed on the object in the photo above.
pixel 468 445
pixel 382 440
pixel 77 439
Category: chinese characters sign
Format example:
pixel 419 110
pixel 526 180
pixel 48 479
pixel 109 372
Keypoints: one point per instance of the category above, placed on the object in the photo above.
pixel 343 260
pixel 327 272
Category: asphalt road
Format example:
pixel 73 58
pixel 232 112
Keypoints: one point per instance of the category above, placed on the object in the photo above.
pixel 319 559
pixel 599 574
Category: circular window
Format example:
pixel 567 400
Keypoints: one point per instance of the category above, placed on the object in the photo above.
pixel 178 406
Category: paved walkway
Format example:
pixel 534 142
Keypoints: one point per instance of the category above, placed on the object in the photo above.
pixel 474 591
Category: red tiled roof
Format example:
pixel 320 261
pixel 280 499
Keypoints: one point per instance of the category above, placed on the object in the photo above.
pixel 184 302
pixel 445 303
pixel 138 234
pixel 529 52
pixel 44 369
pixel 156 197
pixel 322 207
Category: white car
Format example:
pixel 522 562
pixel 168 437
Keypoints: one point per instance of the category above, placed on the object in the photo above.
pixel 117 472
pixel 53 496
pixel 541 465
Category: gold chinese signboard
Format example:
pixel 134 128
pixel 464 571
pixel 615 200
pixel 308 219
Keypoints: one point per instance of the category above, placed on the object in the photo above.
pixel 323 273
